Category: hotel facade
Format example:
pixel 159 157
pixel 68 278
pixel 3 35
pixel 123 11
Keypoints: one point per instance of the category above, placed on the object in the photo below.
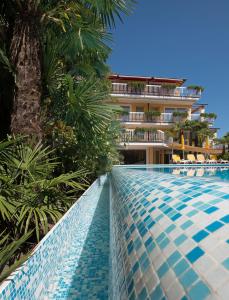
pixel 151 106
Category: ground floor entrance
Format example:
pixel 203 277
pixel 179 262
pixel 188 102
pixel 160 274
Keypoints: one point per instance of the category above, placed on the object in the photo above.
pixel 132 157
pixel 149 155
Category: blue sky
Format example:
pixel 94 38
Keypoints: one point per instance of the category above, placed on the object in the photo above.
pixel 179 38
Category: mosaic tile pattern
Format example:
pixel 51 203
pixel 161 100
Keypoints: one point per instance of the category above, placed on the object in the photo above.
pixel 72 261
pixel 171 236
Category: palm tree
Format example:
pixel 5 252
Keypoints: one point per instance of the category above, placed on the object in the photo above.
pixel 224 140
pixel 24 22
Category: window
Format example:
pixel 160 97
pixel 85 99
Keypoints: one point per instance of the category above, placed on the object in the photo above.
pixel 139 109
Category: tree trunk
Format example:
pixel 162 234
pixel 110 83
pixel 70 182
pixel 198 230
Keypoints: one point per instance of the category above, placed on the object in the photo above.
pixel 26 59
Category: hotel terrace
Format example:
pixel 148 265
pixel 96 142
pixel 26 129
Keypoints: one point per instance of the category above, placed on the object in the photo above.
pixel 152 105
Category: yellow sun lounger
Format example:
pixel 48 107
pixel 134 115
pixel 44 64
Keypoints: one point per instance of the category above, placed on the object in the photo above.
pixel 201 159
pixel 177 160
pixel 191 158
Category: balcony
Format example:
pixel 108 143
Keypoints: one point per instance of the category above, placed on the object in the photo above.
pixel 144 117
pixel 141 117
pixel 142 137
pixel 197 117
pixel 155 90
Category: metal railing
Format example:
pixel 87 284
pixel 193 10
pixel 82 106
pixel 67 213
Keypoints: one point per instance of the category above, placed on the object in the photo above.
pixel 144 137
pixel 154 90
pixel 146 118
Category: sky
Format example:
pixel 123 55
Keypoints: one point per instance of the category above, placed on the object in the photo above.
pixel 182 39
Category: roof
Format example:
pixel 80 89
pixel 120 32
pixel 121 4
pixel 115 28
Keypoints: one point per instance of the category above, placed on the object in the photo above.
pixel 147 79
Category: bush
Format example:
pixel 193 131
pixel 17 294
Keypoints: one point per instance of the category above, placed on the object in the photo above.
pixel 32 197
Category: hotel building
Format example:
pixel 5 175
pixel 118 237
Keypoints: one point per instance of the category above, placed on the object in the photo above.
pixel 151 105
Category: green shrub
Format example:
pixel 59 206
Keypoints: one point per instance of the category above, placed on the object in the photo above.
pixel 32 197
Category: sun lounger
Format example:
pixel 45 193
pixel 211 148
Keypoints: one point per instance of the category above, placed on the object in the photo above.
pixel 201 159
pixel 177 160
pixel 223 161
pixel 212 160
pixel 191 158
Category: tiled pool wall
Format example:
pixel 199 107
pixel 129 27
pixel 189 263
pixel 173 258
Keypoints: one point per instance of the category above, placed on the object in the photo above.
pixel 72 261
pixel 170 236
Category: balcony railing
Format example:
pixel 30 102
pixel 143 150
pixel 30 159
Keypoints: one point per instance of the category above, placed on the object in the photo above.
pixel 142 117
pixel 146 118
pixel 155 90
pixel 142 137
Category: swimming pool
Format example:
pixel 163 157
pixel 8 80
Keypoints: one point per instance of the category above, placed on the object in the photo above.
pixel 139 233
pixel 218 172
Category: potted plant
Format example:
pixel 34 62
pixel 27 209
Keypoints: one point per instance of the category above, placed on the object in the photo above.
pixel 180 115
pixel 156 113
pixel 199 89
pixel 169 86
pixel 209 115
pixel 212 116
pixel 204 115
pixel 150 114
pixel 136 86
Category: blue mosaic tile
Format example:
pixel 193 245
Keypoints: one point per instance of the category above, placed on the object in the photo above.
pixel 199 236
pixel 195 254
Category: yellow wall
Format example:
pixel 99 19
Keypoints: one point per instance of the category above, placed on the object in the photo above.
pixel 151 106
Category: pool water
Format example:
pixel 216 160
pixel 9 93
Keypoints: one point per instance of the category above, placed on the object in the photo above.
pixel 217 172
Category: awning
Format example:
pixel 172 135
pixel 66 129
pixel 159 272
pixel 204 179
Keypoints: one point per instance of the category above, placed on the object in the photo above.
pixel 176 146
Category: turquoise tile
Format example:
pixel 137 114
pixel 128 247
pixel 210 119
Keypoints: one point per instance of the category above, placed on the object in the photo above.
pixel 186 224
pixel 188 278
pixel 226 263
pixel 199 291
pixel 173 258
pixel 157 293
pixel 180 267
pixel 162 270
pixel 180 239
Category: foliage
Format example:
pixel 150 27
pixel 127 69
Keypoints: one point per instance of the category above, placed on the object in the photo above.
pixel 197 88
pixel 32 198
pixel 208 115
pixel 197 131
pixel 224 141
pixel 180 114
pixel 141 129
pixel 136 86
pixel 169 86
pixel 80 126
pixel 153 113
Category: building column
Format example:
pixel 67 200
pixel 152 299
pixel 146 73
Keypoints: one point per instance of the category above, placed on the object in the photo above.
pixel 189 114
pixel 149 155
pixel 162 157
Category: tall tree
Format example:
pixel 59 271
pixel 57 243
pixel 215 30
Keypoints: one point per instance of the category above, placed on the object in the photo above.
pixel 24 21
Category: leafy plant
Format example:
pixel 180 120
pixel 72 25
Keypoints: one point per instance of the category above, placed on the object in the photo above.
pixel 180 114
pixel 197 88
pixel 32 197
pixel 136 86
pixel 208 115
pixel 168 86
